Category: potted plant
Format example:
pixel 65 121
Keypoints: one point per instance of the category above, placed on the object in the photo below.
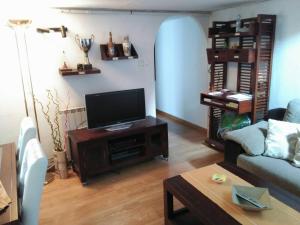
pixel 60 158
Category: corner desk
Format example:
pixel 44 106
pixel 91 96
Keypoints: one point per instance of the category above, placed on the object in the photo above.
pixel 8 177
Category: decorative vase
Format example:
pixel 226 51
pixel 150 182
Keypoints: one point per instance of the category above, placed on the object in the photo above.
pixel 111 47
pixel 126 46
pixel 60 161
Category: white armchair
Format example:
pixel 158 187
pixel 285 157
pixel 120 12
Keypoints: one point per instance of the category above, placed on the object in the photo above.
pixel 32 177
pixel 27 132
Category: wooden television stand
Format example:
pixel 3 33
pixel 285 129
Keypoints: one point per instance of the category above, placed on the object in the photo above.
pixel 98 150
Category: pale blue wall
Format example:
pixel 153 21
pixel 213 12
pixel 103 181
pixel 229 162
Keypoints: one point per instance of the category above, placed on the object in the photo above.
pixel 181 69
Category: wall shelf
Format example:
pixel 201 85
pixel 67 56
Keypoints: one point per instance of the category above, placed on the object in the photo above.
pixel 73 72
pixel 119 53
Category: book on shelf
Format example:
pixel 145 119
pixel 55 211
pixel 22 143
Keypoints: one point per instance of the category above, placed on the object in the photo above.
pixel 240 97
pixel 215 93
pixel 221 92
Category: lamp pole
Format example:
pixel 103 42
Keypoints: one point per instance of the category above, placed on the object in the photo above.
pixel 21 74
pixel 31 89
pixel 24 23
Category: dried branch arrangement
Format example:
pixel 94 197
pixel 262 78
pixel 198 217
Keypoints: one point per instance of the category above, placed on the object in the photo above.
pixel 53 101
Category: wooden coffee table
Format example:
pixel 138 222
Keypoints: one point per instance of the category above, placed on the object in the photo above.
pixel 199 209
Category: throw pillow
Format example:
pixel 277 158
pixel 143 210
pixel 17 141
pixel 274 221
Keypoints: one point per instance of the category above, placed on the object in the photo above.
pixel 251 138
pixel 292 113
pixel 296 159
pixel 281 139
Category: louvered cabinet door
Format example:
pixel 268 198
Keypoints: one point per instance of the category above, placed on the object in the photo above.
pixel 218 76
pixel 254 78
pixel 217 83
pixel 262 80
pixel 246 71
pixel 245 75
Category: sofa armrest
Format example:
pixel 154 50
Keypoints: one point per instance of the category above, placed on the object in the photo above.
pixel 232 151
pixel 276 114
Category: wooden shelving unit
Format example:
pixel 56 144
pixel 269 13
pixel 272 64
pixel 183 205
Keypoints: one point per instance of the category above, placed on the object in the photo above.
pixel 119 53
pixel 254 61
pixel 72 72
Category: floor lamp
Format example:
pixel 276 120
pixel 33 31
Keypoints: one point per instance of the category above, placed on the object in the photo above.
pixel 23 24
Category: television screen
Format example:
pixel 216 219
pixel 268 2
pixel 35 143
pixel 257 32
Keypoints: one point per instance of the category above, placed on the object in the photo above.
pixel 112 108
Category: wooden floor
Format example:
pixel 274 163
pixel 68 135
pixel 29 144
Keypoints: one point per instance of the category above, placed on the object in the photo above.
pixel 133 197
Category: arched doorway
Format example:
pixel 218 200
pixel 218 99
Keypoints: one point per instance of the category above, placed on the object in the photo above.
pixel 181 69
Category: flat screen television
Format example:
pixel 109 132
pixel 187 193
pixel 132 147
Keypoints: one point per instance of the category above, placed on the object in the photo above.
pixel 114 108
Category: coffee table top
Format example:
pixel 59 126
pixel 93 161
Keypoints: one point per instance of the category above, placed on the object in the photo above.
pixel 209 208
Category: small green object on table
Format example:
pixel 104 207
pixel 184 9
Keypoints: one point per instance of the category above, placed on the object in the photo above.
pixel 218 178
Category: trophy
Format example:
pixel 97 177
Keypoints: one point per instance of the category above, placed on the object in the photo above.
pixel 85 45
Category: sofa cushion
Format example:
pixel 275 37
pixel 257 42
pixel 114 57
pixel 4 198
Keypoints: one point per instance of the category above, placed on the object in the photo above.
pixel 281 139
pixel 277 171
pixel 292 113
pixel 296 159
pixel 251 138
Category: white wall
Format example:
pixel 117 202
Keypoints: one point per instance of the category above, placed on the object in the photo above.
pixel 12 107
pixel 286 67
pixel 45 57
pixel 181 69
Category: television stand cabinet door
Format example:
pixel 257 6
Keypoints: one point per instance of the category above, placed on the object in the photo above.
pixel 98 150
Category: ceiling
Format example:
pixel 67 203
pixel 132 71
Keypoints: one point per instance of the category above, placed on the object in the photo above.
pixel 159 5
